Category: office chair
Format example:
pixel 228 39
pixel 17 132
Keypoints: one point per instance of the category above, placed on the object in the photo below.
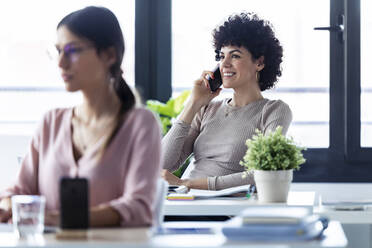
pixel 158 207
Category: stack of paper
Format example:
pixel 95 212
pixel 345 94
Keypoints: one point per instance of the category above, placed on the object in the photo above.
pixel 274 215
pixel 346 204
pixel 275 224
pixel 199 194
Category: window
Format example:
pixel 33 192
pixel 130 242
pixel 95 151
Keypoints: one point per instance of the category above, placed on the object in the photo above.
pixel 366 74
pixel 340 155
pixel 305 62
pixel 331 78
pixel 30 83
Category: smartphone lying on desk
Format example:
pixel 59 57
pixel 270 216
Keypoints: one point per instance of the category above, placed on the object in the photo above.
pixel 177 189
pixel 171 188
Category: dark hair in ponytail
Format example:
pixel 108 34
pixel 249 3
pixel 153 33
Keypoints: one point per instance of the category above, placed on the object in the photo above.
pixel 100 26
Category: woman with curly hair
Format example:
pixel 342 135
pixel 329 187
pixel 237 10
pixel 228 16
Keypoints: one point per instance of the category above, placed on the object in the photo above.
pixel 249 58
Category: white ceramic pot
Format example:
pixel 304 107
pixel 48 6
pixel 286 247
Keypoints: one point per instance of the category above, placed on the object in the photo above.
pixel 273 186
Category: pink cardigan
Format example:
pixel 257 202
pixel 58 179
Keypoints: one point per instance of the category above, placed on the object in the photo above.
pixel 125 177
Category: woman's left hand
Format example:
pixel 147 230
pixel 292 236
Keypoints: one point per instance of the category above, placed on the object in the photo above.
pixel 171 179
pixel 51 218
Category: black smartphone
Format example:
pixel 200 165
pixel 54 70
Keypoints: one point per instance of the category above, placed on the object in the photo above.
pixel 216 82
pixel 171 188
pixel 74 203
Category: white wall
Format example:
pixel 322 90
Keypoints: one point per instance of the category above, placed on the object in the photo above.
pixel 11 147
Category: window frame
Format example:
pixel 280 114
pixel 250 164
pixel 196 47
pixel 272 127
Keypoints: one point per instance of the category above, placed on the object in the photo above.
pixel 354 151
pixel 345 160
pixel 153 60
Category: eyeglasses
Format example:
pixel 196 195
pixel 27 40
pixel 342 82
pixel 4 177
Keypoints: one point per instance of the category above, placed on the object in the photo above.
pixel 72 52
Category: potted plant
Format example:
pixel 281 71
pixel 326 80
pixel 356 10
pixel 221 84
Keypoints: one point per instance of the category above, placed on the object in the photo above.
pixel 272 157
pixel 167 112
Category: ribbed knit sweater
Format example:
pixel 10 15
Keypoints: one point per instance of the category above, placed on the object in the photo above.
pixel 217 137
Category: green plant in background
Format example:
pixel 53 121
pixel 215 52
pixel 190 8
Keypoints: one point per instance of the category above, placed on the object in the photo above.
pixel 169 110
pixel 166 112
pixel 273 151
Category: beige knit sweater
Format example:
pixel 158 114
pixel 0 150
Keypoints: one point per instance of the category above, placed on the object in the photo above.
pixel 217 137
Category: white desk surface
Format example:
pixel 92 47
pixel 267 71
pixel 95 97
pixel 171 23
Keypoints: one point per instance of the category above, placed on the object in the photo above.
pixel 230 205
pixel 340 191
pixel 141 237
pixel 233 206
pixel 347 217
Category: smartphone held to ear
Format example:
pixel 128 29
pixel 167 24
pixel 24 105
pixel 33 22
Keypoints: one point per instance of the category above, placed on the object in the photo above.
pixel 74 203
pixel 216 81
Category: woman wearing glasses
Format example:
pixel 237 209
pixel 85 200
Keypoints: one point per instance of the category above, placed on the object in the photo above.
pixel 215 132
pixel 106 139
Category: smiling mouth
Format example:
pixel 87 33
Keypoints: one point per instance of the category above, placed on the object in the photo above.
pixel 228 74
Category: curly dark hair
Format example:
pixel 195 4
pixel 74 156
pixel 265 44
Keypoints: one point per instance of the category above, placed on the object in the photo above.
pixel 257 36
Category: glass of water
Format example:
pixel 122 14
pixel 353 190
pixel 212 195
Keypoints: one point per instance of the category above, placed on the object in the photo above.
pixel 28 215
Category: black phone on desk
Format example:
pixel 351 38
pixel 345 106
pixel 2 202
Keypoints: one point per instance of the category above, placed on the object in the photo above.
pixel 216 82
pixel 171 188
pixel 74 203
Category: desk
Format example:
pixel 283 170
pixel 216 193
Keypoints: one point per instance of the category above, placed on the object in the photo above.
pixel 356 224
pixel 340 191
pixel 141 238
pixel 347 217
pixel 230 206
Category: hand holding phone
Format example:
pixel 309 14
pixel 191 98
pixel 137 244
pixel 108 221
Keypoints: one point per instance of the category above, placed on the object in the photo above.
pixel 216 82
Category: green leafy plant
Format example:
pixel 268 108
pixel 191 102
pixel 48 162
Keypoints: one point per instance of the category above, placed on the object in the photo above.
pixel 273 151
pixel 169 110
pixel 166 113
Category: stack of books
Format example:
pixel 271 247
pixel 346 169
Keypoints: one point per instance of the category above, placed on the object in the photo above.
pixel 279 223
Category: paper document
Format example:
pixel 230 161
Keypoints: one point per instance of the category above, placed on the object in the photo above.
pixel 346 205
pixel 198 193
pixel 347 202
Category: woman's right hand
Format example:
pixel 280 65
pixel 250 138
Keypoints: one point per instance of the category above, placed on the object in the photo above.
pixel 201 93
pixel 200 96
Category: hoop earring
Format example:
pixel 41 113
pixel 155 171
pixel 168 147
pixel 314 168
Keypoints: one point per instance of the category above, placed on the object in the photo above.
pixel 257 76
